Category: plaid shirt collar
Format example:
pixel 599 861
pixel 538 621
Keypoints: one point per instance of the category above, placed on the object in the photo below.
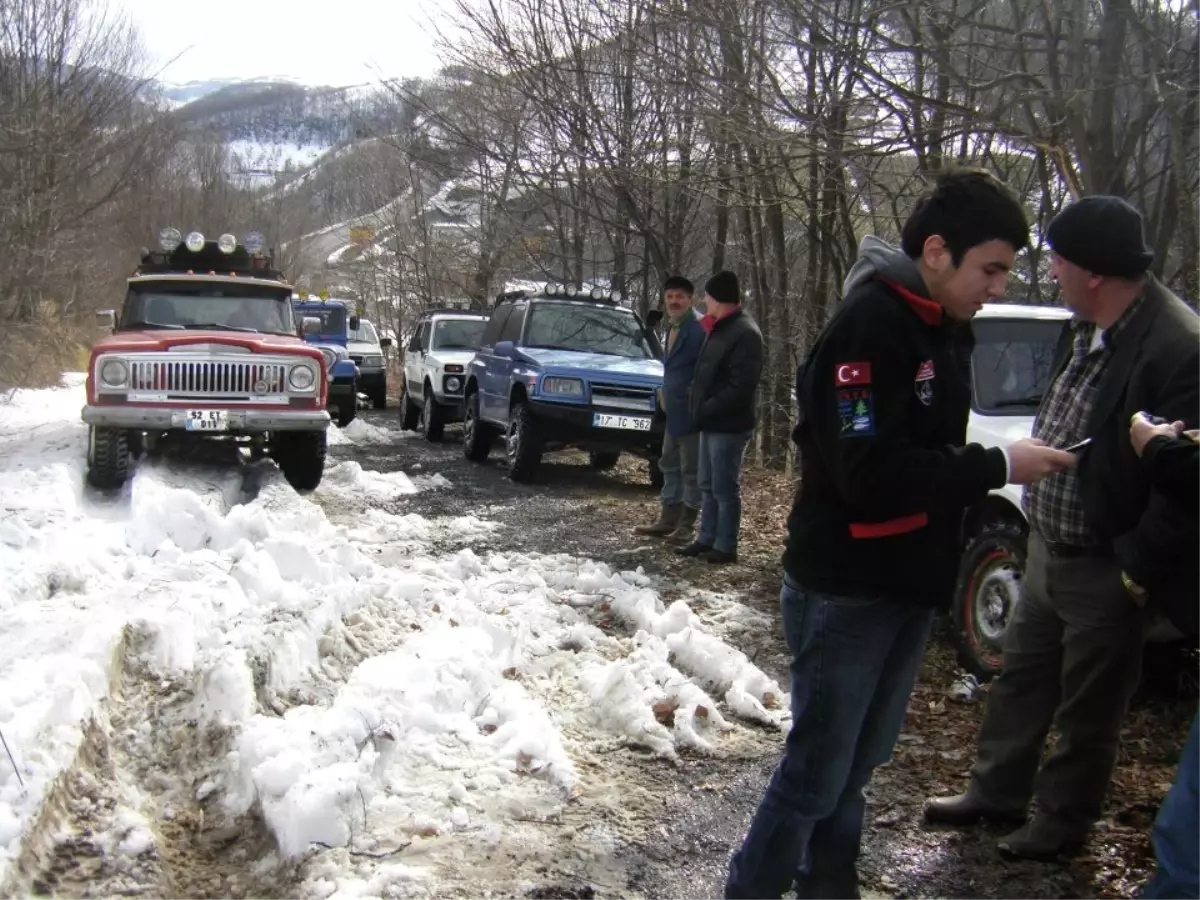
pixel 1084 331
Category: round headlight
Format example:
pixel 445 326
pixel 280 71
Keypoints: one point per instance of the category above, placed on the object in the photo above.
pixel 195 241
pixel 227 243
pixel 453 383
pixel 330 356
pixel 301 378
pixel 114 373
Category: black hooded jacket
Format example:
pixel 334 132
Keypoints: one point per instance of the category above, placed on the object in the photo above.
pixel 884 398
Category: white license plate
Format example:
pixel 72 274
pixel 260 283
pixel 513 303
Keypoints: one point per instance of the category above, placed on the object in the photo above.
pixel 207 420
pixel 629 423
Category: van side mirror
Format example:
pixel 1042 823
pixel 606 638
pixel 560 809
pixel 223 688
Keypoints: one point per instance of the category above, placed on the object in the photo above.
pixel 106 318
pixel 311 325
pixel 354 323
pixel 654 318
pixel 384 343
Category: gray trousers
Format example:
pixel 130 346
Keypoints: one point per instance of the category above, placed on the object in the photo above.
pixel 1072 658
pixel 679 463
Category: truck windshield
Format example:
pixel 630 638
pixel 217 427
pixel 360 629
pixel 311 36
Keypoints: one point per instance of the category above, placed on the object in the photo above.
pixel 1011 363
pixel 365 333
pixel 588 329
pixel 197 305
pixel 457 334
pixel 333 318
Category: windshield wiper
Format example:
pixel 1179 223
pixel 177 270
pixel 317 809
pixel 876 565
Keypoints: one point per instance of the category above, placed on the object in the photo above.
pixel 215 327
pixel 142 323
pixel 1031 400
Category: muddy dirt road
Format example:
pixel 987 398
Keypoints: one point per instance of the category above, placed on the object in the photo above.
pixel 706 802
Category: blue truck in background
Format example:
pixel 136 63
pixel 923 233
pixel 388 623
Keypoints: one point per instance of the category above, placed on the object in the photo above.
pixel 559 369
pixel 326 324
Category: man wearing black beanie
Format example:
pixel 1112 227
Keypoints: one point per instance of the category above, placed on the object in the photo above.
pixel 724 391
pixel 1105 548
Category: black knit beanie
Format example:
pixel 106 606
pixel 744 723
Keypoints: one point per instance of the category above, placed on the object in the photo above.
pixel 723 287
pixel 1103 235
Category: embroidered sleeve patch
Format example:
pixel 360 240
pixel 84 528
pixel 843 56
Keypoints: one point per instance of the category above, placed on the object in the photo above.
pixel 856 413
pixel 852 373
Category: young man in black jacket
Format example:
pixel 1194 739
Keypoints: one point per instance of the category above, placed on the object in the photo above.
pixel 873 537
pixel 724 390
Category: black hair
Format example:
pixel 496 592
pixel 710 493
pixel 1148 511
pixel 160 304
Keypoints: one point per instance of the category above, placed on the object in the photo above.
pixel 678 282
pixel 966 207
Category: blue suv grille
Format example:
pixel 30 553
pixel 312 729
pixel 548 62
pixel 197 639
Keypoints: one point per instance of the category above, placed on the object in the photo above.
pixel 619 396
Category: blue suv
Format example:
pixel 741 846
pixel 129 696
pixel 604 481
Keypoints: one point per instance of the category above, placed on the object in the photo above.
pixel 560 369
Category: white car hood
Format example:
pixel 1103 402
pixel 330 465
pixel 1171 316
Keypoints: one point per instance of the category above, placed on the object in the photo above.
pixel 1000 431
pixel 362 348
pixel 441 358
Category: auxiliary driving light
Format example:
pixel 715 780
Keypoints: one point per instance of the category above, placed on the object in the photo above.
pixel 253 242
pixel 227 243
pixel 169 239
pixel 195 242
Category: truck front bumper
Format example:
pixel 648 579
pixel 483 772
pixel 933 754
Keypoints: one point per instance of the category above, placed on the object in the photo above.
pixel 240 420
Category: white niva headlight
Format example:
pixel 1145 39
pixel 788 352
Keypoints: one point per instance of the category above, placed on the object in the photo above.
pixel 371 362
pixel 114 373
pixel 301 378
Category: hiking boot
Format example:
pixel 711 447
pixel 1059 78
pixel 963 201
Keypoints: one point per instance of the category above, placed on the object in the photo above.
pixel 720 557
pixel 668 519
pixel 685 531
pixel 1043 840
pixel 695 548
pixel 966 809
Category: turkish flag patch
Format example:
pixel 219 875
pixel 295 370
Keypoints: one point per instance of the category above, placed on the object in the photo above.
pixel 852 373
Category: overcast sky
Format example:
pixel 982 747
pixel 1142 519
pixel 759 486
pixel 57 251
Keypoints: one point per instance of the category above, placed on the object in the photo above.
pixel 313 42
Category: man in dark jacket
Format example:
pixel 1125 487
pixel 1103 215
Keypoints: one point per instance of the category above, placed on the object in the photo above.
pixel 680 497
pixel 873 537
pixel 722 401
pixel 1105 549
pixel 1172 463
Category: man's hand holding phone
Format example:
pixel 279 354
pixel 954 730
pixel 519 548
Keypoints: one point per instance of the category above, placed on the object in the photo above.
pixel 1030 460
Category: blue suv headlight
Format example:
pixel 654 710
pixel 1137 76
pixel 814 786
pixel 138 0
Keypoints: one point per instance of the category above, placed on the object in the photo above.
pixel 568 387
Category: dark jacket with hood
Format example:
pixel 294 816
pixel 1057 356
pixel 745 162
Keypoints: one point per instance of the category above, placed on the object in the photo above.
pixel 727 374
pixel 884 397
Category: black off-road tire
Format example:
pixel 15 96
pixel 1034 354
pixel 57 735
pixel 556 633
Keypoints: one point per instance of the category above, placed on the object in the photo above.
pixel 347 411
pixel 410 413
pixel 379 397
pixel 522 444
pixel 478 436
pixel 108 457
pixel 604 460
pixel 300 456
pixel 986 594
pixel 433 417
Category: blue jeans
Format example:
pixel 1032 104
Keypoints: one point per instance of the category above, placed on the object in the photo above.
pixel 1176 835
pixel 678 463
pixel 854 661
pixel 720 477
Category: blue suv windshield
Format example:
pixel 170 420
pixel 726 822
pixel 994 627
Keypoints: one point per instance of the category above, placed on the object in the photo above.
pixel 587 329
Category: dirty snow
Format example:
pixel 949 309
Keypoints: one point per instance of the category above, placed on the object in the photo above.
pixel 372 693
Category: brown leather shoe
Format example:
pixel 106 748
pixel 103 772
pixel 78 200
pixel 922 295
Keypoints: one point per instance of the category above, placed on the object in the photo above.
pixel 1043 840
pixel 964 809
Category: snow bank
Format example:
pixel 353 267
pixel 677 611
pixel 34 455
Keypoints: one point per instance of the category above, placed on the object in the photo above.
pixel 429 697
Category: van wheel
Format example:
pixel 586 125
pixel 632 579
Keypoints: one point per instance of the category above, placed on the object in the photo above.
pixel 478 436
pixel 410 413
pixel 986 596
pixel 108 457
pixel 433 417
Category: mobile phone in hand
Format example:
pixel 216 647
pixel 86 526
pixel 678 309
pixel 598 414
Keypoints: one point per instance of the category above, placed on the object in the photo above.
pixel 1075 448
